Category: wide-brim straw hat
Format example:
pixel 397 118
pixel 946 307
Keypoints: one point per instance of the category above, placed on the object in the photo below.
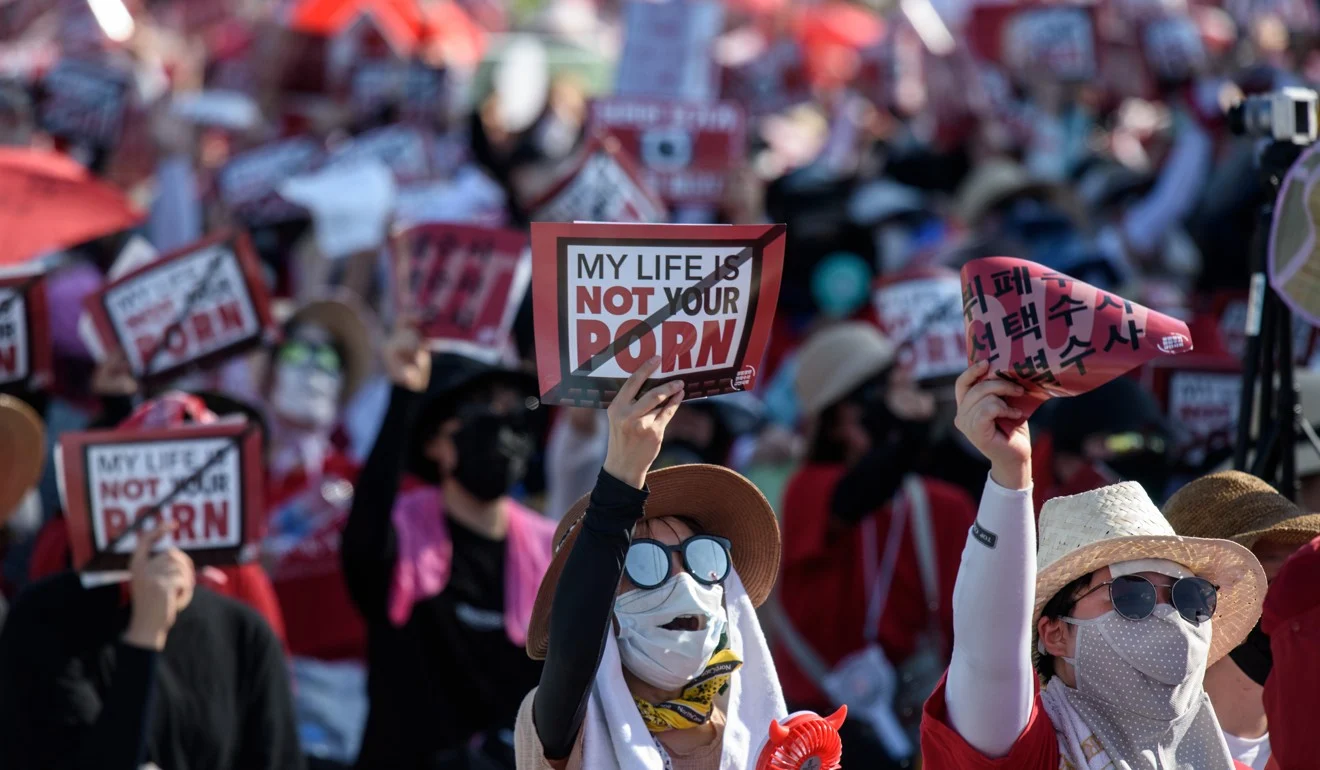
pixel 996 181
pixel 838 359
pixel 345 317
pixel 720 501
pixel 1079 534
pixel 23 445
pixel 1240 507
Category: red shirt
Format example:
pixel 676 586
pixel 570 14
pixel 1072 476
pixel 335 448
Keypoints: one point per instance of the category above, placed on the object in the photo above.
pixel 1037 748
pixel 822 588
pixel 322 621
pixel 1292 691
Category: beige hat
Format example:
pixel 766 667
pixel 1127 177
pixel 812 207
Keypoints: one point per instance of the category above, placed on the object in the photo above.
pixel 1240 507
pixel 349 321
pixel 23 445
pixel 1080 534
pixel 722 502
pixel 837 359
pixel 996 181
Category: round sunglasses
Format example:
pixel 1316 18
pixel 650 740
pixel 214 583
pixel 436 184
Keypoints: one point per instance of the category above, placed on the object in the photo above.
pixel 298 353
pixel 705 557
pixel 1134 597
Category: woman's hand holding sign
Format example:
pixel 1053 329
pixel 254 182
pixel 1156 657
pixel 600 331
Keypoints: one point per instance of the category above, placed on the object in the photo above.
pixel 161 586
pixel 407 359
pixel 982 418
pixel 637 424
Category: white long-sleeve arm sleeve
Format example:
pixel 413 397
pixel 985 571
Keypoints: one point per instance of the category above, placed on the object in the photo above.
pixel 990 687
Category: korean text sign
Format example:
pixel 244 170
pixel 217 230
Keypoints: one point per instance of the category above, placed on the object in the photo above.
pixel 200 303
pixel 465 284
pixel 605 186
pixel 921 310
pixel 1054 335
pixel 25 348
pixel 247 184
pixel 205 479
pixel 609 297
pixel 84 101
pixel 686 150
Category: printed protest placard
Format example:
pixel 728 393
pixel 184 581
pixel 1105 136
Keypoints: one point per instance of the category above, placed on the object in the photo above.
pixel 206 479
pixel 1200 398
pixel 247 184
pixel 201 303
pixel 84 102
pixel 405 150
pixel 922 310
pixel 686 150
pixel 607 297
pixel 25 350
pixel 1058 38
pixel 1055 335
pixel 465 284
pixel 417 90
pixel 604 186
pixel 773 81
pixel 667 49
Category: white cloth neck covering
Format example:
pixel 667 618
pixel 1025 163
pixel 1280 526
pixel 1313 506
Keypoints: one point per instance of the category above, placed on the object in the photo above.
pixel 617 739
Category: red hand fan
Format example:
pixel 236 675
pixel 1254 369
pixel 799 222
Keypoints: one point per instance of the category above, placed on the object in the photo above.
pixel 804 741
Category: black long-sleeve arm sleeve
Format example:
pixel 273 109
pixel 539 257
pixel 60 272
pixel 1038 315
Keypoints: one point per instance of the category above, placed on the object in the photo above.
pixel 874 480
pixel 580 615
pixel 369 548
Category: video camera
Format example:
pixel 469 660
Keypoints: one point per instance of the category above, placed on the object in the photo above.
pixel 1286 115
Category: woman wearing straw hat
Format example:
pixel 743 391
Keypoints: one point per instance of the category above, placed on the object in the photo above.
pixel 1125 617
pixel 1240 507
pixel 646 618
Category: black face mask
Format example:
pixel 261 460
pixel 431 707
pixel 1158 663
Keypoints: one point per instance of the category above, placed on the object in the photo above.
pixel 1253 656
pixel 492 454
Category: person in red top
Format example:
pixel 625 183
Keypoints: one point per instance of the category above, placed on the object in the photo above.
pixel 1125 617
pixel 314 372
pixel 854 594
pixel 1291 619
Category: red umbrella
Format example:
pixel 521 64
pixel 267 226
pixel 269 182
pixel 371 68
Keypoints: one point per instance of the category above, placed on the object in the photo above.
pixel 47 201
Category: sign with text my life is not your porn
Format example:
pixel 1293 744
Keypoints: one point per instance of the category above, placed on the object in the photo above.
pixel 608 297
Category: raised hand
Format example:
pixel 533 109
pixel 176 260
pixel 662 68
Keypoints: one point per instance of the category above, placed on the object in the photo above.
pixel 407 359
pixel 637 424
pixel 161 586
pixel 982 414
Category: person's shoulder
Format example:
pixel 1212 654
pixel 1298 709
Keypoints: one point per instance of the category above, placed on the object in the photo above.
pixel 813 481
pixel 232 618
pixel 61 599
pixel 943 748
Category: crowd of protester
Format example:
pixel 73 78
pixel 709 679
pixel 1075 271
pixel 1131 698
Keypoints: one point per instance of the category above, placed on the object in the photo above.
pixel 452 575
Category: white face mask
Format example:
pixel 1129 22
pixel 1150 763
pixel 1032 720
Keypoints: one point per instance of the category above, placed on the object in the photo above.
pixel 306 396
pixel 661 657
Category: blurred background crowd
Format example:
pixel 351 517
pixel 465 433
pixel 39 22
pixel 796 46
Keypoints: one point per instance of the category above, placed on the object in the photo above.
pixel 895 140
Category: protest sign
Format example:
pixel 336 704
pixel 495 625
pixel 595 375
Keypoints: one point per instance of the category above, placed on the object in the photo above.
pixel 248 183
pixel 1055 335
pixel 603 186
pixel 607 297
pixel 1058 38
pixel 686 150
pixel 1201 397
pixel 772 81
pixel 667 49
pixel 405 150
pixel 84 102
pixel 418 91
pixel 25 350
pixel 206 479
pixel 201 303
pixel 465 284
pixel 922 310
pixel 302 538
pixel 1294 249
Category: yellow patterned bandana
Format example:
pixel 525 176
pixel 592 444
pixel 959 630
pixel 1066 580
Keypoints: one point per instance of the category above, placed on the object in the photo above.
pixel 693 707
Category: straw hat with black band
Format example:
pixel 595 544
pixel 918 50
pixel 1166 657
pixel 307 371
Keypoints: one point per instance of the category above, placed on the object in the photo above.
pixel 718 500
pixel 1240 507
pixel 1080 534
pixel 23 447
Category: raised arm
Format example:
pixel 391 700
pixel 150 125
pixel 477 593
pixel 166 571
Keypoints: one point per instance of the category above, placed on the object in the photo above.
pixel 584 598
pixel 990 688
pixel 368 548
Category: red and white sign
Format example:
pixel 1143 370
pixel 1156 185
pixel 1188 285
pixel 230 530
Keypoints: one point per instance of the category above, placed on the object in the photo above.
pixel 84 102
pixel 667 49
pixel 606 298
pixel 773 81
pixel 923 312
pixel 405 150
pixel 1059 38
pixel 1055 335
pixel 206 479
pixel 1204 403
pixel 25 350
pixel 604 186
pixel 418 90
pixel 465 284
pixel 204 302
pixel 247 184
pixel 686 150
